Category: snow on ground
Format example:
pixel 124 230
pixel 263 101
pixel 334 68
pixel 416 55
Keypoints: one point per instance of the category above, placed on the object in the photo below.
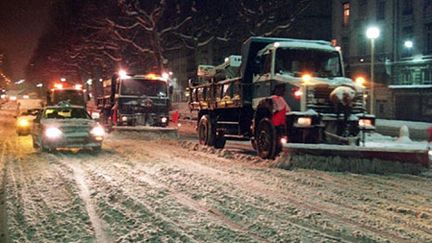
pixel 398 123
pixel 163 190
pixel 378 140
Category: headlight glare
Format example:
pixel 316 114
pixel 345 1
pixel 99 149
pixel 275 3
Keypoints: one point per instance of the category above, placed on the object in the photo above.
pixel 97 131
pixel 164 119
pixel 53 132
pixel 23 123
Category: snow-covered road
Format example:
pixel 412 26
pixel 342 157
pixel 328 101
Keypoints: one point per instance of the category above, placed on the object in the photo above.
pixel 165 190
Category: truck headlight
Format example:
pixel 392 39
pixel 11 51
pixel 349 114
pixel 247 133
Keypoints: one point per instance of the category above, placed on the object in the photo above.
pixel 304 121
pixel 53 132
pixel 124 118
pixel 98 132
pixel 164 120
pixel 365 122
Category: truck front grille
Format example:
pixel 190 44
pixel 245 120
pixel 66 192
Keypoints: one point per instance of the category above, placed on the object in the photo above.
pixel 318 99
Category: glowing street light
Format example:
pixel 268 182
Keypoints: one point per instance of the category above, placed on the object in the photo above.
pixel 408 44
pixel 372 33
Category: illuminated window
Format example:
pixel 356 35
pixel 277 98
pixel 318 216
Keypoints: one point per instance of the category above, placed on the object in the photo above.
pixel 346 14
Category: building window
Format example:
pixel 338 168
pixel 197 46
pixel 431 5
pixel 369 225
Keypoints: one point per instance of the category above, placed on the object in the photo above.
pixel 427 8
pixel 363 8
pixel 405 77
pixel 407 7
pixel 428 39
pixel 345 47
pixel 427 76
pixel 346 14
pixel 381 9
pixel 361 45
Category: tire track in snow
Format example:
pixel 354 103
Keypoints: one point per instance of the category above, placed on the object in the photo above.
pixel 80 180
pixel 194 204
pixel 123 176
pixel 269 193
pixel 4 236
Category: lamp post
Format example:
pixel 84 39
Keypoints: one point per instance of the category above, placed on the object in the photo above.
pixel 372 33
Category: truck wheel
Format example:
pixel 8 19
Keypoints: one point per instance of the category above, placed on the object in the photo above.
pixel 220 140
pixel 206 132
pixel 265 138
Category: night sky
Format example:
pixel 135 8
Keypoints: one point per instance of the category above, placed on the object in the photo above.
pixel 21 24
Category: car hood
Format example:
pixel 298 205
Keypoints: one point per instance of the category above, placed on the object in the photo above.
pixel 68 122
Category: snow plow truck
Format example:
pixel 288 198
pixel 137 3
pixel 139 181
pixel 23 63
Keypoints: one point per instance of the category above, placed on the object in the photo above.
pixel 138 103
pixel 234 100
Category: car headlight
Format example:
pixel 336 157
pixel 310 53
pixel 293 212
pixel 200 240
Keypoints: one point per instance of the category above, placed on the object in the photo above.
pixel 124 118
pixel 53 132
pixel 98 131
pixel 164 119
pixel 304 121
pixel 23 123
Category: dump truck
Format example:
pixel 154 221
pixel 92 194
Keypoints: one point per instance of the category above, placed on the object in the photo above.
pixel 235 100
pixel 135 103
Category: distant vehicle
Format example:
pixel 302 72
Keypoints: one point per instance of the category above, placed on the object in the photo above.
pixel 73 94
pixel 24 121
pixel 66 126
pixel 135 101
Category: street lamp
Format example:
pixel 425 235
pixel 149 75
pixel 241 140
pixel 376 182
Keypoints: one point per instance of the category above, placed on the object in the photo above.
pixel 372 33
pixel 408 44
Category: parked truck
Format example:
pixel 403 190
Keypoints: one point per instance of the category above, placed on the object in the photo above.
pixel 234 99
pixel 135 100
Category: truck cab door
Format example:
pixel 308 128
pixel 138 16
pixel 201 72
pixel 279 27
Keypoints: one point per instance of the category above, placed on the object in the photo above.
pixel 263 69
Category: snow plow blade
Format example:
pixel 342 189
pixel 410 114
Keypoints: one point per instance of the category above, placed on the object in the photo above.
pixel 353 159
pixel 147 132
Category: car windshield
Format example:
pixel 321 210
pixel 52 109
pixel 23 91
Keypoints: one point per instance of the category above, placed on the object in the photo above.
pixel 75 97
pixel 143 87
pixel 319 63
pixel 66 113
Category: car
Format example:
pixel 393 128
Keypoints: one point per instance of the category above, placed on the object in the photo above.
pixel 66 126
pixel 24 121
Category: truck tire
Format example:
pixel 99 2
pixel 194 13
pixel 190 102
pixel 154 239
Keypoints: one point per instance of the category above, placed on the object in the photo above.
pixel 206 131
pixel 265 138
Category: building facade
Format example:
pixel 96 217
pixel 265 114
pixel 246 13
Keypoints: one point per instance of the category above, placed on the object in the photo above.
pixel 402 52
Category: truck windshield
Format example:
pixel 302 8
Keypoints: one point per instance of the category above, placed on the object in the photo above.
pixel 143 87
pixel 73 96
pixel 318 63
